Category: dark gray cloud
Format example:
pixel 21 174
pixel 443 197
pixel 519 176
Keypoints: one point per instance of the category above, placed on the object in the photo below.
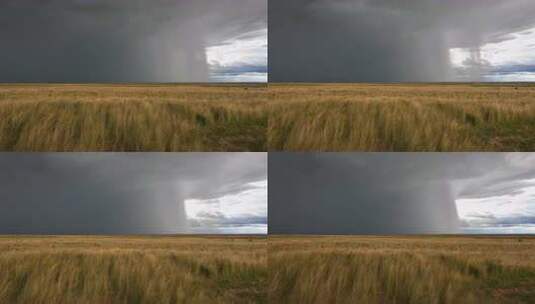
pixel 92 193
pixel 118 40
pixel 383 193
pixel 385 40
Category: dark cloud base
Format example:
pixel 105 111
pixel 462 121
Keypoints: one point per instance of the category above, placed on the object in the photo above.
pixel 115 193
pixel 118 40
pixel 384 40
pixel 384 193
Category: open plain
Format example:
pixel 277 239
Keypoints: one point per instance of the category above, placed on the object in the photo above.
pixel 401 269
pixel 402 117
pixel 133 117
pixel 133 269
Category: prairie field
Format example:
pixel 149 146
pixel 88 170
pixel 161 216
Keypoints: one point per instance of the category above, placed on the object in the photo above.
pixel 133 117
pixel 402 117
pixel 156 269
pixel 412 269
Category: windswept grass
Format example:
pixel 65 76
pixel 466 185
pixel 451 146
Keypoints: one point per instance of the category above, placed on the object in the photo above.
pixel 419 117
pixel 337 117
pixel 39 270
pixel 428 269
pixel 133 118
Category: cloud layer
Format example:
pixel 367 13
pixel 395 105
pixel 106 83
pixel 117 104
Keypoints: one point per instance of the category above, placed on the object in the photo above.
pixel 387 193
pixel 243 210
pixel 388 41
pixel 119 41
pixel 115 193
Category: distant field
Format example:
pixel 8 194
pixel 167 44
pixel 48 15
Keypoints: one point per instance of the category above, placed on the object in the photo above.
pixel 409 117
pixel 39 270
pixel 425 269
pixel 133 118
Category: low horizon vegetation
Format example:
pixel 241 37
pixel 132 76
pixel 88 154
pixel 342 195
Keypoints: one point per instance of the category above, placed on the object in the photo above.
pixel 402 117
pixel 133 269
pixel 133 117
pixel 401 269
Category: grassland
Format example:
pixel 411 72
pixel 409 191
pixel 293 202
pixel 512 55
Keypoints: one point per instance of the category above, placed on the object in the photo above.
pixel 39 270
pixel 133 118
pixel 427 269
pixel 404 117
pixel 289 117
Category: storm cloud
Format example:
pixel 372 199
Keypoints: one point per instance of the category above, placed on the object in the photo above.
pixel 388 193
pixel 397 41
pixel 119 40
pixel 116 193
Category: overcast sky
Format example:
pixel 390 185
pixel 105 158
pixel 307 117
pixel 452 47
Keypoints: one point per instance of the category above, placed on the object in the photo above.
pixel 133 40
pixel 122 193
pixel 398 193
pixel 400 41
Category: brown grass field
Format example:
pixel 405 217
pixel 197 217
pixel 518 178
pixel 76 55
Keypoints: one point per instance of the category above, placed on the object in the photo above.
pixel 169 269
pixel 289 117
pixel 415 269
pixel 402 117
pixel 133 117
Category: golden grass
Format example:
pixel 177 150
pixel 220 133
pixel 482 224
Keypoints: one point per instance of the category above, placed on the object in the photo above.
pixel 408 117
pixel 102 270
pixel 426 269
pixel 295 117
pixel 133 118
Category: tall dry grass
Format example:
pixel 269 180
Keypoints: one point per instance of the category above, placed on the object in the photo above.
pixel 419 117
pixel 335 117
pixel 428 269
pixel 37 270
pixel 133 118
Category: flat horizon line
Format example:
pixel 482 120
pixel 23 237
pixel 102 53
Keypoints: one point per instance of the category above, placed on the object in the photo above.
pixel 134 235
pixel 407 235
